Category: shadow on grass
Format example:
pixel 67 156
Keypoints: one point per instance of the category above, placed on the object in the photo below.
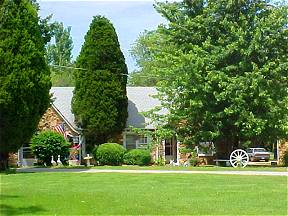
pixel 51 169
pixel 3 196
pixel 10 210
pixel 8 171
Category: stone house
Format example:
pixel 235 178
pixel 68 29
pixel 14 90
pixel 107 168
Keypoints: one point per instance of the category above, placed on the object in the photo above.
pixel 58 113
pixel 140 99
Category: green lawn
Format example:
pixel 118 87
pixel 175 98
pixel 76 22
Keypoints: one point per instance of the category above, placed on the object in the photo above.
pixel 201 168
pixel 135 194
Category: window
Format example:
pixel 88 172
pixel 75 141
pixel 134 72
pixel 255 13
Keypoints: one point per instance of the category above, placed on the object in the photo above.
pixel 142 142
pixel 75 139
pixel 131 141
pixel 27 152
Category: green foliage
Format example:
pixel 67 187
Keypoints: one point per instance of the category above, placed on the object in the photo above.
pixel 60 52
pixel 100 101
pixel 139 157
pixel 160 161
pixel 109 154
pixel 62 77
pixel 48 144
pixel 185 150
pixel 59 56
pixel 24 74
pixel 193 159
pixel 224 71
pixel 142 51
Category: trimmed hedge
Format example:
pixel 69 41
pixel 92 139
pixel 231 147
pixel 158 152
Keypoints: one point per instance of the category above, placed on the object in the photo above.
pixel 49 143
pixel 109 154
pixel 139 157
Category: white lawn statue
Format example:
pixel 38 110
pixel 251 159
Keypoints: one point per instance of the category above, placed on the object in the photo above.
pixel 186 163
pixel 88 158
pixel 172 163
pixel 59 161
pixel 53 162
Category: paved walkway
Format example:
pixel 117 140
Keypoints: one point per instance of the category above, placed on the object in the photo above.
pixel 265 173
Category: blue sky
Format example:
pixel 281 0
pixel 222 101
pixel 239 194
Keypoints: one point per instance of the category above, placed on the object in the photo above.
pixel 129 18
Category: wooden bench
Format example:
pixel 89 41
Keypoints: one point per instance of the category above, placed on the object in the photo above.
pixel 219 162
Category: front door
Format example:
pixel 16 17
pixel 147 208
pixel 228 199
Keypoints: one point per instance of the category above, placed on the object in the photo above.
pixel 170 150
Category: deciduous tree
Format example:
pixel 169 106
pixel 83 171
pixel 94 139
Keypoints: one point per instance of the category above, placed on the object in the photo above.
pixel 59 56
pixel 143 51
pixel 224 70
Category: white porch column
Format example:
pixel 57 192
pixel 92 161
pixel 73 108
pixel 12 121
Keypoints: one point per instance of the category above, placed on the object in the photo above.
pixel 278 144
pixel 178 150
pixel 163 146
pixel 82 146
pixel 157 153
pixel 20 157
pixel 124 139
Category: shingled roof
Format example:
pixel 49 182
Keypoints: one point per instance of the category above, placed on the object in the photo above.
pixel 139 100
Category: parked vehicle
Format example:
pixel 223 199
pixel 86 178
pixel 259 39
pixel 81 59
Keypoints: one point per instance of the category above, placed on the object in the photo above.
pixel 257 154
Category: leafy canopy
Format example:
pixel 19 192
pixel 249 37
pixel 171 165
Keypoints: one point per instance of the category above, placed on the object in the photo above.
pixel 143 51
pixel 223 66
pixel 59 56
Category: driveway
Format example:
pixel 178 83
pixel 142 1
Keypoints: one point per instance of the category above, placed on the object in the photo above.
pixel 265 173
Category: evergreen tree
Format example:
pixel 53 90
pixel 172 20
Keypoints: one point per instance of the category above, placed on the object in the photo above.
pixel 24 76
pixel 100 101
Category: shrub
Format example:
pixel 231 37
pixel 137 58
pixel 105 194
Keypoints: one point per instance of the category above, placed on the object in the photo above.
pixel 160 161
pixel 193 159
pixel 109 154
pixel 48 144
pixel 139 157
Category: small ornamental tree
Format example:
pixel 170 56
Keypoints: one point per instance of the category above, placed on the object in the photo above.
pixel 48 144
pixel 24 76
pixel 100 101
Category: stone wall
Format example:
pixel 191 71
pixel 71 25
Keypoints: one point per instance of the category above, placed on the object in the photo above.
pixel 51 119
pixel 283 147
pixel 13 158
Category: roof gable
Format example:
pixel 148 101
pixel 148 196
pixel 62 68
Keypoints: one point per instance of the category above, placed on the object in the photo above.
pixel 139 100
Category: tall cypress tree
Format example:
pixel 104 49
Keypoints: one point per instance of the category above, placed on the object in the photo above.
pixel 24 75
pixel 100 101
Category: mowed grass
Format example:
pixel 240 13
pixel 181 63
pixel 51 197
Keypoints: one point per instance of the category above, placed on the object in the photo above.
pixel 139 194
pixel 182 168
pixel 191 168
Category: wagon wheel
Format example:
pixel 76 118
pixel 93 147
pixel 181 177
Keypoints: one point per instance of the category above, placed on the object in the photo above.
pixel 239 158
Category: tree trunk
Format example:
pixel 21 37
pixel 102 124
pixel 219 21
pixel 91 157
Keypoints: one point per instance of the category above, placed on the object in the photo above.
pixel 4 156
